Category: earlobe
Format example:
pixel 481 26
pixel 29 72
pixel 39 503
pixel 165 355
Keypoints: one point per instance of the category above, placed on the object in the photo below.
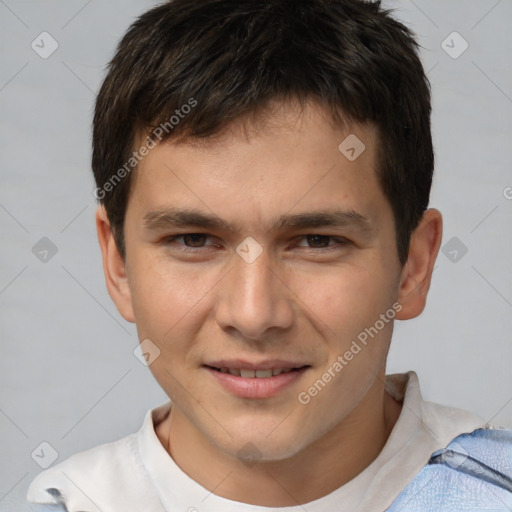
pixel 417 272
pixel 114 267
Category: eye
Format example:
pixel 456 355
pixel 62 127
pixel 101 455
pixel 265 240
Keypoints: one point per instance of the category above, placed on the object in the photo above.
pixel 191 240
pixel 322 241
pixel 194 239
pixel 318 241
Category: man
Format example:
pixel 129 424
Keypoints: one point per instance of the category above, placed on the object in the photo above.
pixel 264 170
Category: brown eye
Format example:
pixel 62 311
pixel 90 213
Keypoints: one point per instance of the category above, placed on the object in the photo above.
pixel 318 241
pixel 194 240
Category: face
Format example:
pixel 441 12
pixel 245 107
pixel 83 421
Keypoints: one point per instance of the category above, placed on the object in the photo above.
pixel 260 251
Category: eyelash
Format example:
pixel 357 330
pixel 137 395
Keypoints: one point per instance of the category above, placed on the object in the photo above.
pixel 340 241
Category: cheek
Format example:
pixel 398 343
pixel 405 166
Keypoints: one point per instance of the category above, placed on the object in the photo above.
pixel 345 300
pixel 163 296
pixel 172 303
pixel 168 309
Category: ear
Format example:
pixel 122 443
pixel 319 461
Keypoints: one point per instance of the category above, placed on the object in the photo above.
pixel 114 267
pixel 417 272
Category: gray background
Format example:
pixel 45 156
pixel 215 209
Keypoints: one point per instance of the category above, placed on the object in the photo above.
pixel 68 375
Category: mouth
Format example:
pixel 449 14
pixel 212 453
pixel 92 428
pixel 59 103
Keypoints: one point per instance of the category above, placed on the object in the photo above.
pixel 256 381
pixel 248 373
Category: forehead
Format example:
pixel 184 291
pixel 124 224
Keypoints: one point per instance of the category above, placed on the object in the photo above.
pixel 289 158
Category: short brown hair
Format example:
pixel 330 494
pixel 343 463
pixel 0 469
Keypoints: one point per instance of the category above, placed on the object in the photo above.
pixel 230 58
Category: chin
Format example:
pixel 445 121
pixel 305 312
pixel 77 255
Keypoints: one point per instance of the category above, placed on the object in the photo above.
pixel 251 449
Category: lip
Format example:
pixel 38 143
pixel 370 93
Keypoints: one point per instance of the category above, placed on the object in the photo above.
pixel 256 388
pixel 262 365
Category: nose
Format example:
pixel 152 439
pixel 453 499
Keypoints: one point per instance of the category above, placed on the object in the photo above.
pixel 253 299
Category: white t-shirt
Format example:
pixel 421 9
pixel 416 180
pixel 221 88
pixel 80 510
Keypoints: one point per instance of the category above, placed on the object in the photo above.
pixel 136 473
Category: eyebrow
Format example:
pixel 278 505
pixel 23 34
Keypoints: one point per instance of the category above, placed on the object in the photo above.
pixel 182 217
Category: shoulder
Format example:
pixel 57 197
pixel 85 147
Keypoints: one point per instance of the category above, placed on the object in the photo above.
pixel 96 479
pixel 472 472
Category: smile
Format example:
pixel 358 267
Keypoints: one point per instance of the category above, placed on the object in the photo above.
pixel 255 383
pixel 252 374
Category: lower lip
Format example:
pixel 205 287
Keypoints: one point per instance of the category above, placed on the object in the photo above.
pixel 266 387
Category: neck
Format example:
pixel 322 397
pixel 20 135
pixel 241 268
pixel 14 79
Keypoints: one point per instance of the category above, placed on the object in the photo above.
pixel 322 467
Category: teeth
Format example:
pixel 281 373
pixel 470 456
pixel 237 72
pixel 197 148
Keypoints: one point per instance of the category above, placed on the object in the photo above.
pixel 277 371
pixel 259 374
pixel 263 374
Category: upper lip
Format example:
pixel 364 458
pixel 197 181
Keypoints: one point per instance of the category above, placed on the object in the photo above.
pixel 262 365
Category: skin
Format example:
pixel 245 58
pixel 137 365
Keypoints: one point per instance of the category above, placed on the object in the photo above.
pixel 298 300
